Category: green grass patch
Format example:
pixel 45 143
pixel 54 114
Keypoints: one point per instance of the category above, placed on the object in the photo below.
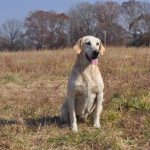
pixel 141 103
pixel 97 138
pixel 11 78
pixel 113 115
pixel 74 139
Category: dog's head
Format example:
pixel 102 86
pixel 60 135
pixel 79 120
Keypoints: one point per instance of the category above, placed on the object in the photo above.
pixel 90 47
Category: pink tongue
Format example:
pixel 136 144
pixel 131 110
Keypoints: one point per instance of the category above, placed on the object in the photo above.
pixel 94 61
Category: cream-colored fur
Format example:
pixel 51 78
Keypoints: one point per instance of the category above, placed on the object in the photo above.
pixel 85 85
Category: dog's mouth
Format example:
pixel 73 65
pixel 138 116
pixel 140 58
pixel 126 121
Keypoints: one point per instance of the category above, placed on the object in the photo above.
pixel 93 60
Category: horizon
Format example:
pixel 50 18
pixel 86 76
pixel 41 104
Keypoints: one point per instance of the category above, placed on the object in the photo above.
pixel 20 9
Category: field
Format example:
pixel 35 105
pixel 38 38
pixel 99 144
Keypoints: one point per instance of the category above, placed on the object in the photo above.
pixel 33 87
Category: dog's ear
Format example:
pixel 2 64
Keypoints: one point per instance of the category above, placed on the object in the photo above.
pixel 77 46
pixel 102 49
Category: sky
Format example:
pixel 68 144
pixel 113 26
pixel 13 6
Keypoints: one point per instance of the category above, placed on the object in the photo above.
pixel 19 9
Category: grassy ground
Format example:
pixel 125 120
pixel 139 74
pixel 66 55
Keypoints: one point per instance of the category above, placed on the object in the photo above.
pixel 33 87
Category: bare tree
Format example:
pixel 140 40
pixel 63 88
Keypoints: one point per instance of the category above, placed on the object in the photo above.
pixel 11 31
pixel 143 38
pixel 57 30
pixel 132 13
pixel 107 15
pixel 145 25
pixel 36 27
pixel 46 29
pixel 82 21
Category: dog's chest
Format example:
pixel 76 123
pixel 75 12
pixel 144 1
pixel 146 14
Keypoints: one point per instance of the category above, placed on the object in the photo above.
pixel 88 83
pixel 85 99
pixel 86 88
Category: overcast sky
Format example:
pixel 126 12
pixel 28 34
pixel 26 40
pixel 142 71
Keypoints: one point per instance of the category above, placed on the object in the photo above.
pixel 18 9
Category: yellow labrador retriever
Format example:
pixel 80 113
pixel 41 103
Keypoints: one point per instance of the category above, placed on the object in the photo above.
pixel 85 85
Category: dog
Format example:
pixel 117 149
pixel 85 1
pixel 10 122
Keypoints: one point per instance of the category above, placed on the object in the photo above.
pixel 85 84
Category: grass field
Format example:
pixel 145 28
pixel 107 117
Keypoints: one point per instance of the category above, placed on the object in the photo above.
pixel 33 87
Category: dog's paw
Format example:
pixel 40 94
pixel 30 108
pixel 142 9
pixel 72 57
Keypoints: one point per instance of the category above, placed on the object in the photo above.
pixel 97 125
pixel 74 129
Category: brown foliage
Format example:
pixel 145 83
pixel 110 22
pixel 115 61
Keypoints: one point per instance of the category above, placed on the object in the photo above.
pixel 46 29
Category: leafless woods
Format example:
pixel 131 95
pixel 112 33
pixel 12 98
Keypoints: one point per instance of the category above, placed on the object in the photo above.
pixel 116 24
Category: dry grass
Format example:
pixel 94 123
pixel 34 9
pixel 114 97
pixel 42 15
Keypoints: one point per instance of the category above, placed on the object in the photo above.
pixel 33 86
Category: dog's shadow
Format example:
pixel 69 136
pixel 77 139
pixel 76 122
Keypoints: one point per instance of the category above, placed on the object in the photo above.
pixel 32 122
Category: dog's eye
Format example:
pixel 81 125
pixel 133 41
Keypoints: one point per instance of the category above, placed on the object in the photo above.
pixel 88 43
pixel 97 44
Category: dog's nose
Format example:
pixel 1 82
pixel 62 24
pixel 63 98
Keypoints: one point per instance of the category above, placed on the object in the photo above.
pixel 95 52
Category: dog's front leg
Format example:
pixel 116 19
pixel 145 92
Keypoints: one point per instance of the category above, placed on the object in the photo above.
pixel 72 113
pixel 98 110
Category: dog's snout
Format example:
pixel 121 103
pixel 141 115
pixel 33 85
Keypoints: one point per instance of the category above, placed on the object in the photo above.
pixel 95 53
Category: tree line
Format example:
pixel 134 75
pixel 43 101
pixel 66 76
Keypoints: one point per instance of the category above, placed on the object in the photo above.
pixel 127 24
